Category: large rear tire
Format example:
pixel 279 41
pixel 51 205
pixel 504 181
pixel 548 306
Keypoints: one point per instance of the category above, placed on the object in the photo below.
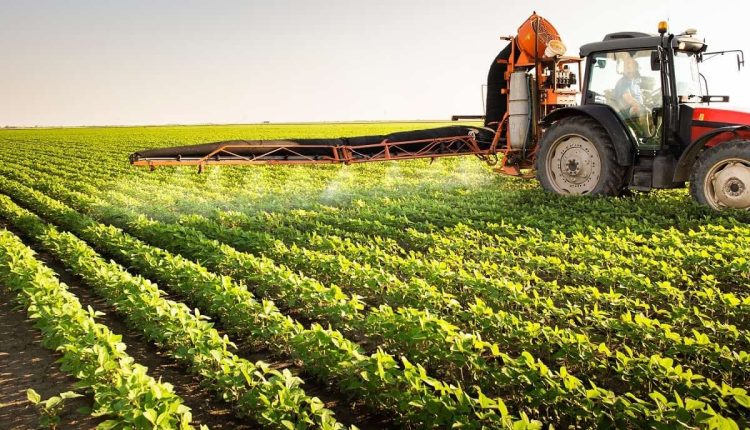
pixel 721 176
pixel 577 157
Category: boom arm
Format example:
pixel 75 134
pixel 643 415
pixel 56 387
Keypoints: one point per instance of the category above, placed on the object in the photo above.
pixel 440 142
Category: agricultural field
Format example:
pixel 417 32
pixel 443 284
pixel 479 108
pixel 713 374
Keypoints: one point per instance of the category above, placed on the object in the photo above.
pixel 395 295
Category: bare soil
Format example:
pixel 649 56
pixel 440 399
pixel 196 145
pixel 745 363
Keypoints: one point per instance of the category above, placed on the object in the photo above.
pixel 24 364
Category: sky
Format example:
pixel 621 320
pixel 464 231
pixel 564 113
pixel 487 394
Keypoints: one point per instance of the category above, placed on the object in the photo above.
pixel 106 62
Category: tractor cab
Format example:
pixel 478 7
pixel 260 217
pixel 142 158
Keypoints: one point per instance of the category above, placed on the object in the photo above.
pixel 645 78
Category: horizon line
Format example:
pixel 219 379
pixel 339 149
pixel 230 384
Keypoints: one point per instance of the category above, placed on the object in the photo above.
pixel 212 124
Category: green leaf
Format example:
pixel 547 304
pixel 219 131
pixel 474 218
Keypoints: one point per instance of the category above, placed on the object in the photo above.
pixel 592 394
pixel 33 396
pixel 678 399
pixel 84 410
pixel 658 398
pixel 501 406
pixel 52 402
pixel 727 424
pixel 742 399
pixel 151 415
pixel 70 395
pixel 108 425
pixel 485 402
pixel 494 349
pixel 691 404
pixel 364 375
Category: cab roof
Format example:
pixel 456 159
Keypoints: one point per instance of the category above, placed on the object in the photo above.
pixel 632 40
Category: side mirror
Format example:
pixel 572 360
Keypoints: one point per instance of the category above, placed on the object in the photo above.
pixel 601 63
pixel 704 56
pixel 655 61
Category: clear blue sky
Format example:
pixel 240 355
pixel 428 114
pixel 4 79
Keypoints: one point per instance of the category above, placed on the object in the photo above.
pixel 74 62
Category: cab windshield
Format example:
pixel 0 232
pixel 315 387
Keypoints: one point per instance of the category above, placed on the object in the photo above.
pixel 686 74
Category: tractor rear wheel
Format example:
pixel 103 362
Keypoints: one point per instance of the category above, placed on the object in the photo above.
pixel 577 156
pixel 721 176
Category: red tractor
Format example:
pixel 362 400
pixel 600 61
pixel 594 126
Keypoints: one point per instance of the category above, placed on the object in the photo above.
pixel 644 121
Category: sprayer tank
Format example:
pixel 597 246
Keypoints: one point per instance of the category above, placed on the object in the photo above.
pixel 519 112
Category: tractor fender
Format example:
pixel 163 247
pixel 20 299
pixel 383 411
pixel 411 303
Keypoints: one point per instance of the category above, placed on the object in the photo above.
pixel 606 116
pixel 691 153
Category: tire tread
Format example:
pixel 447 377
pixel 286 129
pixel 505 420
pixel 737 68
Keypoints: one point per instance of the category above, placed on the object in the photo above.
pixel 710 156
pixel 613 174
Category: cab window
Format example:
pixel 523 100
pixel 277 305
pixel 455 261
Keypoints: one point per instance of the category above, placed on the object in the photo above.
pixel 625 81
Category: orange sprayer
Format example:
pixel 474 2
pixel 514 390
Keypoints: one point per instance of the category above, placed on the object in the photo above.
pixel 547 37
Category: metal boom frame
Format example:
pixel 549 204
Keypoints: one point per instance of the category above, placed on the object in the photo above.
pixel 277 153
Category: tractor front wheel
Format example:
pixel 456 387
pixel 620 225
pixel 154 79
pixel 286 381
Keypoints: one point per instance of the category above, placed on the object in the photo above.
pixel 721 176
pixel 577 156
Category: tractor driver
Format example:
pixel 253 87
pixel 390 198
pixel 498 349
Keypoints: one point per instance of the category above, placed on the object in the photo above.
pixel 628 90
pixel 630 98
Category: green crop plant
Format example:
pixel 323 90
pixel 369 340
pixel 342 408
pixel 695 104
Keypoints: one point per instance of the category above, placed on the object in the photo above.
pixel 438 294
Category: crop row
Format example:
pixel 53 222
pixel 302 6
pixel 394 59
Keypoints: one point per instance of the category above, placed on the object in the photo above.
pixel 336 260
pixel 631 265
pixel 435 233
pixel 90 351
pixel 420 335
pixel 378 287
pixel 489 203
pixel 628 326
pixel 244 266
pixel 482 204
pixel 377 378
pixel 216 186
pixel 183 238
pixel 577 254
pixel 663 255
pixel 719 311
pixel 366 281
pixel 269 396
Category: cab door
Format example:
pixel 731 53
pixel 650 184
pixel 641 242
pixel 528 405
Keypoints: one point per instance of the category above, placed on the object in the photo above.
pixel 627 82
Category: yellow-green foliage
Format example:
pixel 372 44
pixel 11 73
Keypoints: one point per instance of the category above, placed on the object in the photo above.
pixel 440 292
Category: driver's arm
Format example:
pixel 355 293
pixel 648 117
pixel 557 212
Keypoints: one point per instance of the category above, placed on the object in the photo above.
pixel 631 101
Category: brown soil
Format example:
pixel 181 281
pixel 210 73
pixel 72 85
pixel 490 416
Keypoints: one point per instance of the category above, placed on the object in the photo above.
pixel 24 364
